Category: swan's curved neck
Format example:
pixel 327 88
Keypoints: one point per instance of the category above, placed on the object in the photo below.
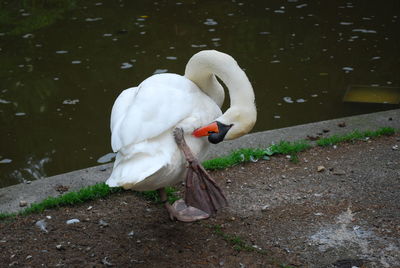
pixel 203 67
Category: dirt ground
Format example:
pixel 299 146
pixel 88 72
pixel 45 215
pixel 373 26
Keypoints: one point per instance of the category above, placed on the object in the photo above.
pixel 281 214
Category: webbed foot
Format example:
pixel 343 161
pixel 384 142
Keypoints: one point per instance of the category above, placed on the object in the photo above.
pixel 180 211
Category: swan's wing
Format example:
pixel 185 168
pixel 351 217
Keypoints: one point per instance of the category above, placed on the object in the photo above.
pixel 159 103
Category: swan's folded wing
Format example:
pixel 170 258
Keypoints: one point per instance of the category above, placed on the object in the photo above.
pixel 158 104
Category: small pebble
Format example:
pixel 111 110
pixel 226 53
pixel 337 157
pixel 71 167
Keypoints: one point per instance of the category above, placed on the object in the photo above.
pixel 103 223
pixel 23 203
pixel 339 172
pixel 72 221
pixel 395 147
pixel 59 247
pixel 320 168
pixel 265 207
pixel 89 207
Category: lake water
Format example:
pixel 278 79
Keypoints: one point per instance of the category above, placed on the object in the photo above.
pixel 58 83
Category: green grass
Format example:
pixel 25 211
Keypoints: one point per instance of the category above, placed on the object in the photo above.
pixel 102 190
pixel 355 135
pixel 252 155
pixel 237 242
pixel 154 196
pixel 237 157
pixel 85 194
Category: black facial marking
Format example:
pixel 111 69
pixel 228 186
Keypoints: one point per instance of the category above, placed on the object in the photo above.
pixel 218 137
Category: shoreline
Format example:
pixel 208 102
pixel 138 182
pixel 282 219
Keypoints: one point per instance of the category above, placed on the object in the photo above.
pixel 38 190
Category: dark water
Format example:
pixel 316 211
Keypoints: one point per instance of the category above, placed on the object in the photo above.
pixel 58 83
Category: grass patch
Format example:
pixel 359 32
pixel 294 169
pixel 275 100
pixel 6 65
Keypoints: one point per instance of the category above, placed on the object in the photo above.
pixel 6 216
pixel 154 196
pixel 252 155
pixel 237 157
pixel 355 135
pixel 237 242
pixel 85 194
pixel 240 245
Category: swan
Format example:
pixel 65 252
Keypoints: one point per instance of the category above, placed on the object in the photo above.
pixel 162 129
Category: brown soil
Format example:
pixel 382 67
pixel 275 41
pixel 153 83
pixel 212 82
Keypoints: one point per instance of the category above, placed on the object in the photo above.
pixel 278 215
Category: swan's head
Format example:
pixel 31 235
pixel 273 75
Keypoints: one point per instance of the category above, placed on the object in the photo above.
pixel 233 124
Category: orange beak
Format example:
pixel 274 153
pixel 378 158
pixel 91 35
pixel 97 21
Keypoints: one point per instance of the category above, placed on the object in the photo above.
pixel 206 130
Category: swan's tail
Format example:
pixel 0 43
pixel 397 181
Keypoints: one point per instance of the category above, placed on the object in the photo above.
pixel 141 166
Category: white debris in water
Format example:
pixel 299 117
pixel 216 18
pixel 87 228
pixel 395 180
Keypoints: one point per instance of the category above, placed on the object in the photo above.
pixel 160 71
pixel 107 34
pixel 198 46
pixel 93 19
pixel 300 100
pixel 347 69
pixel 20 114
pixel 346 23
pixel 364 31
pixel 5 161
pixel 287 99
pixel 301 5
pixel 28 36
pixel 4 101
pixel 61 52
pixel 106 158
pixel 76 62
pixel 126 65
pixel 210 22
pixel 68 101
pixel 171 58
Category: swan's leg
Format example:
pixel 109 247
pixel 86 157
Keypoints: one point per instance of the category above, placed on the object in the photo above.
pixel 180 211
pixel 201 192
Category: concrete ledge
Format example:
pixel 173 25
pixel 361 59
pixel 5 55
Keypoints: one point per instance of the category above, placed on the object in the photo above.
pixel 38 190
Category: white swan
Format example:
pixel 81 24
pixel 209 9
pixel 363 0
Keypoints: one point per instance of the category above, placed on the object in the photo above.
pixel 150 124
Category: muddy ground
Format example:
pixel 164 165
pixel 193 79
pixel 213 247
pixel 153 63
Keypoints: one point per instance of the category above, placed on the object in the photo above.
pixel 281 214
